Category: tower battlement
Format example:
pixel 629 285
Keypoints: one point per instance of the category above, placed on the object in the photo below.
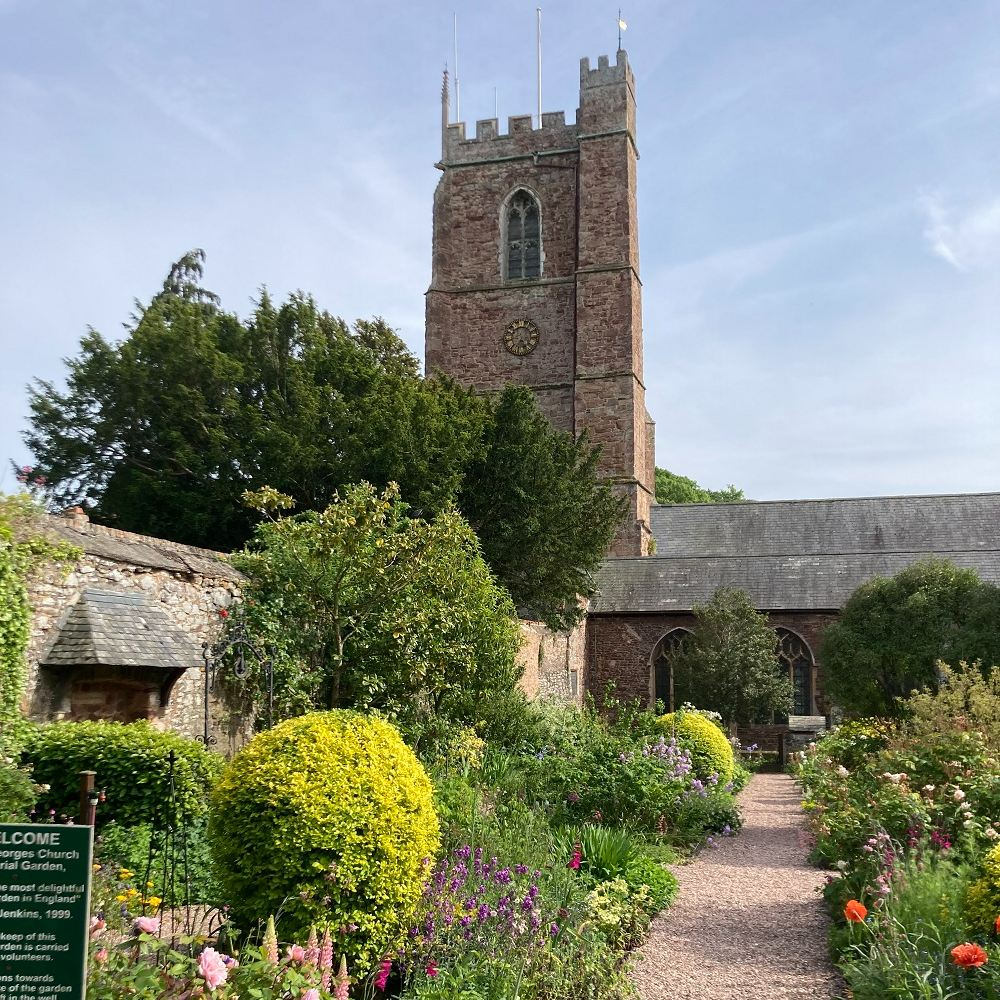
pixel 555 133
pixel 605 72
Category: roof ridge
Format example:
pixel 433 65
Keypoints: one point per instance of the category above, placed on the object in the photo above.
pixel 848 499
pixel 931 553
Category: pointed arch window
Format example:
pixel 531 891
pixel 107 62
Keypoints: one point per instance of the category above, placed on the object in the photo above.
pixel 523 237
pixel 668 686
pixel 795 657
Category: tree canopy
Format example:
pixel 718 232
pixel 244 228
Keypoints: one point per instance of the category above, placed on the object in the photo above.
pixel 367 607
pixel 893 631
pixel 164 431
pixel 729 663
pixel 673 488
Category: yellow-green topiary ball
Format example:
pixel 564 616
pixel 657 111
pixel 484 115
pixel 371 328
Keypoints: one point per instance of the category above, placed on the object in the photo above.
pixel 325 820
pixel 711 752
pixel 983 899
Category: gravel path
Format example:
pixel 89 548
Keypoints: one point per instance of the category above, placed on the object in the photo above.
pixel 748 922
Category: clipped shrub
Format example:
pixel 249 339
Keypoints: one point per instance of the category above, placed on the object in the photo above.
pixel 661 884
pixel 711 752
pixel 132 763
pixel 983 900
pixel 327 819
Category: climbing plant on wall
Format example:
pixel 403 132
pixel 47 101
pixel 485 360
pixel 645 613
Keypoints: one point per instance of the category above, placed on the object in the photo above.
pixel 24 549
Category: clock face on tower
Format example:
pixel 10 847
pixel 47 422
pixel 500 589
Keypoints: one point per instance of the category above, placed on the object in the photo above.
pixel 520 337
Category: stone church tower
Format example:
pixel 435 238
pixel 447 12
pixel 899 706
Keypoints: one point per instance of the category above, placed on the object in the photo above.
pixel 535 277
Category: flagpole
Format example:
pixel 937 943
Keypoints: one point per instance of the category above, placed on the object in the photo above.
pixel 458 99
pixel 538 55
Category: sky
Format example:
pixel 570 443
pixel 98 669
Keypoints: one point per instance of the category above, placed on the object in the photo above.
pixel 819 200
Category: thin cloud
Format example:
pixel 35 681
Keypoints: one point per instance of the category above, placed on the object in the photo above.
pixel 968 241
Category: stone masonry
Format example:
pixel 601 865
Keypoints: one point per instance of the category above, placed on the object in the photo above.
pixel 586 370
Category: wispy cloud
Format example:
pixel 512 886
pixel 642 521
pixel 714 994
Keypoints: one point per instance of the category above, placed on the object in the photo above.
pixel 967 240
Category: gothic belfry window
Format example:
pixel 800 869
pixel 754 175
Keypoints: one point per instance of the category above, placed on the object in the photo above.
pixel 523 237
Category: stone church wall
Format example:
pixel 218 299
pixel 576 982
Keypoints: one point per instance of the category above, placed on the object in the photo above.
pixel 620 647
pixel 554 663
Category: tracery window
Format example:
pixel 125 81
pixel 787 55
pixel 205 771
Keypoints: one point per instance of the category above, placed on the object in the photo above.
pixel 523 236
pixel 668 686
pixel 795 657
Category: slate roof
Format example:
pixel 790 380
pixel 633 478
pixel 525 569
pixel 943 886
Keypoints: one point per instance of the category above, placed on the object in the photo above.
pixel 797 554
pixel 142 550
pixel 111 628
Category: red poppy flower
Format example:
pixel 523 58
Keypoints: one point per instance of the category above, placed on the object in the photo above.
pixel 855 911
pixel 969 956
pixel 996 926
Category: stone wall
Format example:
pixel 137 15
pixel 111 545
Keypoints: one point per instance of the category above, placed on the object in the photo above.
pixel 190 585
pixel 554 663
pixel 586 369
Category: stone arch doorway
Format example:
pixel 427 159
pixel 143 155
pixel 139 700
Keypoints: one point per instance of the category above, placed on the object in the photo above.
pixel 662 681
pixel 795 656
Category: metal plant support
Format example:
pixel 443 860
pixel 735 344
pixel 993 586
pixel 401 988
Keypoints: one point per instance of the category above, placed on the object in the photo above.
pixel 236 644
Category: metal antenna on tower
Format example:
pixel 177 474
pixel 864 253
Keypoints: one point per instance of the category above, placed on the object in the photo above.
pixel 538 56
pixel 458 99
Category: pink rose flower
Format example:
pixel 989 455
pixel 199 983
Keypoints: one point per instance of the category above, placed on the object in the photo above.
pixel 147 925
pixel 101 956
pixel 295 953
pixel 212 968
pixel 97 925
pixel 312 994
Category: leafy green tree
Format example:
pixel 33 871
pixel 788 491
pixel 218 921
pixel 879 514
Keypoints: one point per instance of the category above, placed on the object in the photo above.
pixel 163 433
pixel 543 515
pixel 893 631
pixel 368 607
pixel 729 663
pixel 672 488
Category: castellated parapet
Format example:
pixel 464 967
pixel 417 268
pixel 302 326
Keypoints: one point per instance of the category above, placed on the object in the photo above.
pixel 597 111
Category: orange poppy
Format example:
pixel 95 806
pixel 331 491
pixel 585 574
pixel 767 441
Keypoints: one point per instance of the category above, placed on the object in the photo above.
pixel 969 956
pixel 996 926
pixel 855 911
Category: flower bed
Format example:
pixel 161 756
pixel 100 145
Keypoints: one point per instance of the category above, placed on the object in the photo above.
pixel 907 816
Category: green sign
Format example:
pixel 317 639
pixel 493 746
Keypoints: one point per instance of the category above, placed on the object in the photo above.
pixel 44 910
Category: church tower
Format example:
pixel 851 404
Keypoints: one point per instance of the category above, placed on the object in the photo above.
pixel 535 276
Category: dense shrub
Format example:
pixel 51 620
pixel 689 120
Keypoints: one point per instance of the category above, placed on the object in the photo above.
pixel 984 895
pixel 18 794
pixel 133 767
pixel 181 871
pixel 711 752
pixel 661 884
pixel 328 818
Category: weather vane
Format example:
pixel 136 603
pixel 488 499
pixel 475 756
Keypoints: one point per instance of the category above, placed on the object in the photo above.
pixel 622 26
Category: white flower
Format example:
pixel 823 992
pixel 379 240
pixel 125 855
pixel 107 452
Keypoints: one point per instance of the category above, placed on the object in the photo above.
pixel 991 833
pixel 959 795
pixel 894 778
pixel 842 771
pixel 842 865
pixel 967 824
pixel 928 789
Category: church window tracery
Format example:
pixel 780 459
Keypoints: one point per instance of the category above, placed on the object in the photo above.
pixel 523 237
pixel 667 687
pixel 796 657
